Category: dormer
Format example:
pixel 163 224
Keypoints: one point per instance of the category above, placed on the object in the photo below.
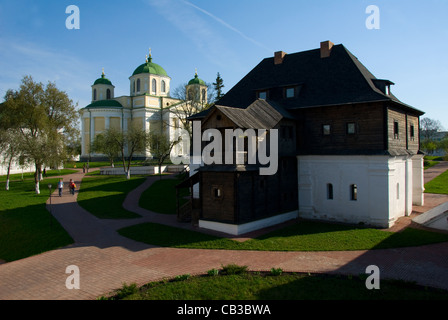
pixel 383 85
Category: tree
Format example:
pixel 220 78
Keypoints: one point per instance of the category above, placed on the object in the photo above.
pixel 9 149
pixel 429 127
pixel 108 143
pixel 429 146
pixel 160 147
pixel 44 117
pixel 136 140
pixel 125 144
pixel 218 85
pixel 190 104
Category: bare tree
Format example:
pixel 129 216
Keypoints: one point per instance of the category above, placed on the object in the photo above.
pixel 191 102
pixel 429 128
pixel 160 147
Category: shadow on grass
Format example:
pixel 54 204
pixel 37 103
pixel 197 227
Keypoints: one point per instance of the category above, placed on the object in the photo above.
pixel 339 287
pixel 104 196
pixel 161 197
pixel 29 231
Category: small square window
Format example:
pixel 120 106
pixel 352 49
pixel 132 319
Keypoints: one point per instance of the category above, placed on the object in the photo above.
pixel 351 128
pixel 326 129
pixel 262 95
pixel 290 92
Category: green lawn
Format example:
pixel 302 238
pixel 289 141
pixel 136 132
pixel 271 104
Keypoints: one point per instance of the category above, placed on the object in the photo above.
pixel 438 185
pixel 26 226
pixel 264 286
pixel 103 196
pixel 429 163
pixel 30 175
pixel 303 236
pixel 160 197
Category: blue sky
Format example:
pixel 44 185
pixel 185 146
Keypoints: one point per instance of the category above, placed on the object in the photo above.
pixel 230 37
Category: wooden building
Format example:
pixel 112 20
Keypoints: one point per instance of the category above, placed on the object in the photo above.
pixel 348 148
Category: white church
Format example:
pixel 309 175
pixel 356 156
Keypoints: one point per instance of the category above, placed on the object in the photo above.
pixel 148 104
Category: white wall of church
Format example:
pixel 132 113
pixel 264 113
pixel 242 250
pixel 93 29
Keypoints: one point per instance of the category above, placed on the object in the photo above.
pixel 384 188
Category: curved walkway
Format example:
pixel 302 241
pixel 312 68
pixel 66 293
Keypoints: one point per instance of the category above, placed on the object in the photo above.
pixel 106 260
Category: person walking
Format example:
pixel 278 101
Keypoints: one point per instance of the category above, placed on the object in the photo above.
pixel 72 187
pixel 60 186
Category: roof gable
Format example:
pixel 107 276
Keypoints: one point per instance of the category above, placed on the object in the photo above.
pixel 338 79
pixel 259 115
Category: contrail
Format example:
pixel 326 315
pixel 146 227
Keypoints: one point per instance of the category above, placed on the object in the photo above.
pixel 227 25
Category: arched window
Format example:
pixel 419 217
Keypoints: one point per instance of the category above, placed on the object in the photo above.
pixel 163 86
pixel 154 86
pixel 94 94
pixel 203 95
pixel 108 94
pixel 138 85
pixel 133 86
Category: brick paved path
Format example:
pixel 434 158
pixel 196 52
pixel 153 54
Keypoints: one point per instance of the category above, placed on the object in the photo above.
pixel 106 260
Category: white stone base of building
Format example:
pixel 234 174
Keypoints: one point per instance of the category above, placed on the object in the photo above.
pixel 239 229
pixel 386 188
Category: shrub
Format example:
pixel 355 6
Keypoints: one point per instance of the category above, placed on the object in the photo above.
pixel 182 277
pixel 276 271
pixel 126 290
pixel 213 272
pixel 234 269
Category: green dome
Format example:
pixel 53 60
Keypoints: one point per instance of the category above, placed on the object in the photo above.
pixel 103 80
pixel 150 67
pixel 196 80
pixel 105 103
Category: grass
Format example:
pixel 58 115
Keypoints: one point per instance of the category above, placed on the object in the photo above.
pixel 160 197
pixel 26 226
pixel 434 158
pixel 438 185
pixel 283 286
pixel 303 236
pixel 30 175
pixel 429 163
pixel 103 196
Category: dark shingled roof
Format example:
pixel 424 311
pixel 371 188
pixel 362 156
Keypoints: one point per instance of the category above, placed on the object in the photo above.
pixel 338 79
pixel 259 115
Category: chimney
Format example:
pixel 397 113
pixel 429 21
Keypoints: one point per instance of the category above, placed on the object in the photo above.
pixel 279 56
pixel 325 49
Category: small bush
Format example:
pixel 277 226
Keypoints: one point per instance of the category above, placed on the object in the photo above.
pixel 213 272
pixel 234 269
pixel 182 277
pixel 445 157
pixel 126 290
pixel 276 271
